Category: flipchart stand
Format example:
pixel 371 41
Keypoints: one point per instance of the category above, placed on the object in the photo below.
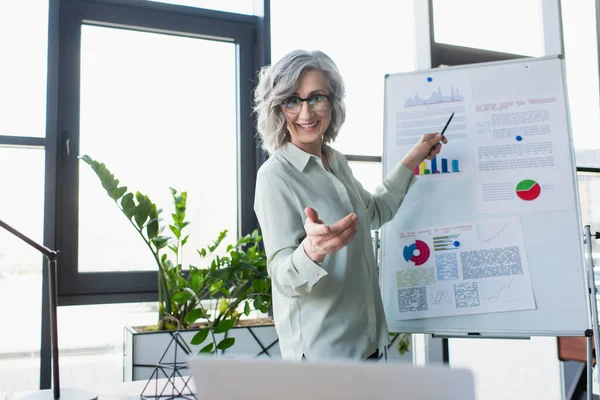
pixel 383 353
pixel 592 291
pixel 593 337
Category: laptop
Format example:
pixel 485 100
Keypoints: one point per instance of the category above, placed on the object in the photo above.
pixel 264 379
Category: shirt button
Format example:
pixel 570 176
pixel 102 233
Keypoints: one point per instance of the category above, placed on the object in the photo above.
pixel 317 274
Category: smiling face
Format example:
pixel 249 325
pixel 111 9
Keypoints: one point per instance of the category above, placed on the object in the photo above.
pixel 307 127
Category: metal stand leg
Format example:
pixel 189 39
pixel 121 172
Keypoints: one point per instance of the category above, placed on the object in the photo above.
pixel 590 377
pixel 594 310
pixel 376 253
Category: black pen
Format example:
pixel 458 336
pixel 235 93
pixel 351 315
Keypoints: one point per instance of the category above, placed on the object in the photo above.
pixel 447 123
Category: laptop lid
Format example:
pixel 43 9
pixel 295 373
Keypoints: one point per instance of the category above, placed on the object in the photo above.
pixel 232 379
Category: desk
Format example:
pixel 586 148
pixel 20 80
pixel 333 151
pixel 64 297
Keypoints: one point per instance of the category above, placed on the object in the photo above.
pixel 573 349
pixel 121 391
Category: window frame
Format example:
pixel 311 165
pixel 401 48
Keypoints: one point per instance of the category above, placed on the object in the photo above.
pixel 443 54
pixel 247 32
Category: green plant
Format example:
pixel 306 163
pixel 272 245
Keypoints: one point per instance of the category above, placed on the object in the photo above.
pixel 403 344
pixel 234 279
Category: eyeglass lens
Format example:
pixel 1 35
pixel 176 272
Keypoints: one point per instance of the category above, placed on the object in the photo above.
pixel 317 103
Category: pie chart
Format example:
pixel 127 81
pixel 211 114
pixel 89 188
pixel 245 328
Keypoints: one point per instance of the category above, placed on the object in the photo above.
pixel 528 190
pixel 422 250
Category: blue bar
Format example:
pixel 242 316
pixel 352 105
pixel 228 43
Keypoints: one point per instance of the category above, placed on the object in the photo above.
pixel 455 166
pixel 434 169
pixel 444 165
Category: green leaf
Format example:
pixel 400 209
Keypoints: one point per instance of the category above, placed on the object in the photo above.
pixel 176 231
pixel 152 227
pixel 118 192
pixel 202 253
pixel 200 337
pixel 197 281
pixel 142 210
pixel 194 315
pixel 207 349
pixel 263 308
pixel 404 343
pixel 215 288
pixel 224 326
pixel 226 343
pixel 217 242
pixel 184 240
pixel 160 242
pixel 128 205
pixel 182 297
pixel 247 309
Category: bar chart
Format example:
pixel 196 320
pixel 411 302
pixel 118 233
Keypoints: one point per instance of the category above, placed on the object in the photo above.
pixel 446 166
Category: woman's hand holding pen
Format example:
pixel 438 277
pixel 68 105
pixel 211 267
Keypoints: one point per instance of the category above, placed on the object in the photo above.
pixel 322 239
pixel 426 148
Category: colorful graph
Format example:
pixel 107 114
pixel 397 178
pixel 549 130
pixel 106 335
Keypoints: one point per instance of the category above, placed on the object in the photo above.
pixel 431 167
pixel 435 98
pixel 528 190
pixel 423 250
pixel 446 242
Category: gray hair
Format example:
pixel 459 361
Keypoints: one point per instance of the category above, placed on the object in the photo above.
pixel 280 81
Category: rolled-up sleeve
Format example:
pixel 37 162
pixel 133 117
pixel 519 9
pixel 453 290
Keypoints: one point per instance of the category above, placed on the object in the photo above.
pixel 387 199
pixel 292 272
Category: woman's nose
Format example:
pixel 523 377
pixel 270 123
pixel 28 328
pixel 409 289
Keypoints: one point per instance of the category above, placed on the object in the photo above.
pixel 305 111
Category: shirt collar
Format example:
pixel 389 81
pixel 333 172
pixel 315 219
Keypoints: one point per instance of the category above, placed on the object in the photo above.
pixel 299 158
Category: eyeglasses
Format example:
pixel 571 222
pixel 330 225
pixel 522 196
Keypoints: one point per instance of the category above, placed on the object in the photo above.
pixel 317 103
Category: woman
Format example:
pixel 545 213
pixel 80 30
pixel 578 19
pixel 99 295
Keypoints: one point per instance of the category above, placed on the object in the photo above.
pixel 316 218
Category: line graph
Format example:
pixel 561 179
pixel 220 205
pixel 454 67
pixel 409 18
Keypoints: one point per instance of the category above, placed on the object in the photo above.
pixel 441 297
pixel 496 232
pixel 491 238
pixel 435 98
pixel 502 288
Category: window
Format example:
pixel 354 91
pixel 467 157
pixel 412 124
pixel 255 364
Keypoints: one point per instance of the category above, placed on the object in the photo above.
pixel 581 59
pixel 83 63
pixel 234 6
pixel 23 78
pixel 510 26
pixel 22 162
pixel 21 266
pixel 369 174
pixel 159 116
pixel 164 100
pixel 589 197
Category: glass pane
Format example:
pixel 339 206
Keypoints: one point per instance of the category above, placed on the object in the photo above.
pixel 363 65
pixel 160 112
pixel 509 26
pixel 581 58
pixel 589 197
pixel 93 358
pixel 21 268
pixel 367 173
pixel 233 6
pixel 509 368
pixel 24 32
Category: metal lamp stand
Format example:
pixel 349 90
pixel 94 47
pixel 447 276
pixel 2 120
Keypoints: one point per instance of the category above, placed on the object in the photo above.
pixel 55 393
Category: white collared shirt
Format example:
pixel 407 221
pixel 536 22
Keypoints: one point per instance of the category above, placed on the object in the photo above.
pixel 332 309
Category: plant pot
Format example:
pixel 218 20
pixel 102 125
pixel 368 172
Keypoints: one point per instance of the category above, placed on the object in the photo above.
pixel 143 348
